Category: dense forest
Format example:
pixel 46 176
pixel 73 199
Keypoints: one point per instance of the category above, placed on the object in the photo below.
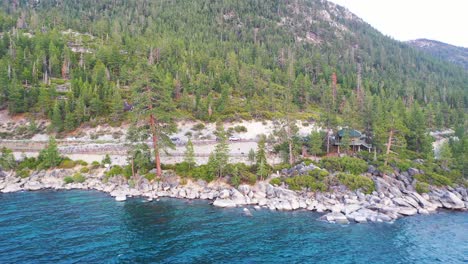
pixel 78 61
pixel 444 51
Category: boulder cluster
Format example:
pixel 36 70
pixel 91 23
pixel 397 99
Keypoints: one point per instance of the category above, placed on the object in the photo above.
pixel 394 196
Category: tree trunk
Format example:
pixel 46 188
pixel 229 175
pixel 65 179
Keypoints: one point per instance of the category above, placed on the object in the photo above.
pixel 155 144
pixel 155 140
pixel 389 145
pixel 291 156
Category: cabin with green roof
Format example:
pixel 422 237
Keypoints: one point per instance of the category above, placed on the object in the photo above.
pixel 358 141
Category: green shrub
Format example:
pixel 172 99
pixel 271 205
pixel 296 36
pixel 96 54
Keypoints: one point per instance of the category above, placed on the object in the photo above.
pixel 24 173
pixel 403 165
pixel 127 172
pixel 114 171
pixel 183 169
pixel 305 181
pixel 249 178
pixel 28 163
pixel 150 176
pixel 168 166
pixel 240 129
pixel 344 164
pixel 306 162
pixel 422 187
pixel 203 172
pixel 235 180
pixel 319 174
pixel 198 127
pixel 243 172
pixel 84 170
pixel 106 160
pixel 78 178
pixel 67 164
pixel 95 165
pixel 355 182
pixel 7 159
pixel 279 167
pixel 68 180
pixel 433 179
pixel 385 169
pixel 275 181
pixel 81 162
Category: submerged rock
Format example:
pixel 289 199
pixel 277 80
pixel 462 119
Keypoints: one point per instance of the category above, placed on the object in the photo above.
pixel 407 211
pixel 121 198
pixel 247 212
pixel 335 217
pixel 224 203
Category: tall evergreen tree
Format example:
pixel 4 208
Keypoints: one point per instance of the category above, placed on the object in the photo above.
pixel 219 159
pixel 189 156
pixel 152 102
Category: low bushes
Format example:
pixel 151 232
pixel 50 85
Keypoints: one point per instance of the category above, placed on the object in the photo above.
pixel 305 181
pixel 422 187
pixel 23 173
pixel 238 173
pixel 275 181
pixel 28 163
pixel 77 178
pixel 203 172
pixel 67 164
pixel 241 173
pixel 433 179
pixel 314 181
pixel 68 180
pixel 115 170
pixel 344 164
pixel 355 182
pixel 95 164
pixel 7 159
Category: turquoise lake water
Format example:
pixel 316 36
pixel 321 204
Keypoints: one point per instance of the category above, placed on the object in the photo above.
pixel 90 227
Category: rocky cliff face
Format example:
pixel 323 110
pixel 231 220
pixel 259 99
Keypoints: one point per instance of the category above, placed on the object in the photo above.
pixel 394 197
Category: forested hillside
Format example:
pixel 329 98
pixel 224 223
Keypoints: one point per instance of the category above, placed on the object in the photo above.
pixel 444 51
pixel 77 61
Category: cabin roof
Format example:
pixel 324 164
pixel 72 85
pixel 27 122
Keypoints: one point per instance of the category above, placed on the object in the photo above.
pixel 352 133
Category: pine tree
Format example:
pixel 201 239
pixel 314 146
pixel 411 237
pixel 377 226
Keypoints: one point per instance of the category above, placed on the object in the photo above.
pixel 251 156
pixel 445 155
pixel 262 170
pixel 50 156
pixel 7 159
pixel 261 151
pixel 152 100
pixel 57 121
pixel 345 140
pixel 189 156
pixel 418 140
pixel 219 159
pixel 116 107
pixel 315 143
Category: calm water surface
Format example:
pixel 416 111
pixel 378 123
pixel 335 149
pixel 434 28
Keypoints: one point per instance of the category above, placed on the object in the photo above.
pixel 90 227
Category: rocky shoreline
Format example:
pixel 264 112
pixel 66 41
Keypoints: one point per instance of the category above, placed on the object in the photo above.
pixel 394 196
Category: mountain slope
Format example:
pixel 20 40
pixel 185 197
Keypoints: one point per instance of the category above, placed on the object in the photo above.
pixel 218 60
pixel 444 51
